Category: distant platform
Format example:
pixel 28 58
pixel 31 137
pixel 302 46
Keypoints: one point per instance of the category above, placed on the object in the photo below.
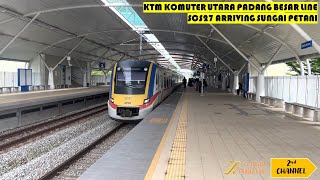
pixel 17 100
pixel 19 109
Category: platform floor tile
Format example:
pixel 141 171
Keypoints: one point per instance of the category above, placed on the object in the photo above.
pixel 222 128
pixel 131 157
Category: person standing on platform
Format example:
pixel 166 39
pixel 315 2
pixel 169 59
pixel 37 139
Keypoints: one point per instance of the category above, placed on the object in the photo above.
pixel 197 84
pixel 200 86
pixel 184 82
pixel 190 83
pixel 205 85
pixel 240 89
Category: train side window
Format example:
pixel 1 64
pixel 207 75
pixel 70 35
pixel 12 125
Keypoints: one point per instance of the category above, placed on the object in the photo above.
pixel 157 77
pixel 165 82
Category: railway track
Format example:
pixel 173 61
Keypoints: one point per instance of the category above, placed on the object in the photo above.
pixel 21 135
pixel 74 166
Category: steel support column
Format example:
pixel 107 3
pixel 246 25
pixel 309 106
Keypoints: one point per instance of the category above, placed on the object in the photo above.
pixel 215 54
pixel 232 45
pixel 244 65
pixel 19 33
pixel 74 48
pixel 272 58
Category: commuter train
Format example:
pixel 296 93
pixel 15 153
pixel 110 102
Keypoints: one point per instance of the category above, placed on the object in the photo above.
pixel 137 87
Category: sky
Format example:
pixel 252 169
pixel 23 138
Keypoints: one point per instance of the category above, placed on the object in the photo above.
pixel 11 66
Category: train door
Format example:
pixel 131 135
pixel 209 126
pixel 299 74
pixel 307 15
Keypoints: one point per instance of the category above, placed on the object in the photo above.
pixel 156 87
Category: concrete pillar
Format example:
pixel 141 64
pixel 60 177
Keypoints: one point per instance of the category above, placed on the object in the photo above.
pixel 42 70
pixel 224 82
pixel 84 82
pixel 50 79
pixel 235 83
pixel 260 87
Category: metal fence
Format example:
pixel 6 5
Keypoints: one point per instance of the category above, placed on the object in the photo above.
pixel 8 79
pixel 299 89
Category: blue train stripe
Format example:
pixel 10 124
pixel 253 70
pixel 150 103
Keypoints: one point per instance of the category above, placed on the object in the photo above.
pixel 152 79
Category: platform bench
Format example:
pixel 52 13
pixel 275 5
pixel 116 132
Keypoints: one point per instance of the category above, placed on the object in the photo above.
pixel 251 96
pixel 304 111
pixel 271 101
pixel 8 89
pixel 38 88
pixel 61 86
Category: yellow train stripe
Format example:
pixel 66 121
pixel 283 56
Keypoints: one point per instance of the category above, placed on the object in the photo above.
pixel 177 160
pixel 156 157
pixel 114 75
pixel 148 81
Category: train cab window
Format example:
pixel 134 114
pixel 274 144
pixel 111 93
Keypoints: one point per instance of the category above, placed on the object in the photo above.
pixel 131 80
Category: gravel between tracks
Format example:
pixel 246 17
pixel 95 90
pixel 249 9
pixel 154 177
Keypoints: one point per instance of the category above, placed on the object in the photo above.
pixel 79 166
pixel 52 119
pixel 35 159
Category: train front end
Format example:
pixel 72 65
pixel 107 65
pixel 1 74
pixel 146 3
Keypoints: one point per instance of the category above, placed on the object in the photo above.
pixel 129 89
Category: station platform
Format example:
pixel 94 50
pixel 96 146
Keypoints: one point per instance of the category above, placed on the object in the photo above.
pixel 198 137
pixel 20 109
pixel 17 100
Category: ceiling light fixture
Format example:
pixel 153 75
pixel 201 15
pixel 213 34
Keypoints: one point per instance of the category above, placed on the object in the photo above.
pixel 132 19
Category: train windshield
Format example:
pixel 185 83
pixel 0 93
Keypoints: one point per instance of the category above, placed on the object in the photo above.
pixel 131 80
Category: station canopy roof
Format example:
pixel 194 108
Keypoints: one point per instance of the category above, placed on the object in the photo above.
pixel 61 25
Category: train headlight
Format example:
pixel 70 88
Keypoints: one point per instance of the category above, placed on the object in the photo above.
pixel 111 99
pixel 146 101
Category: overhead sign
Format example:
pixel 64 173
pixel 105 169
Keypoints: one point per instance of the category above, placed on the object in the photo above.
pixel 102 65
pixel 291 167
pixel 306 45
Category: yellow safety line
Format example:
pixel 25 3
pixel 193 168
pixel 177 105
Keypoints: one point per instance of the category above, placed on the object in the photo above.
pixel 156 157
pixel 177 161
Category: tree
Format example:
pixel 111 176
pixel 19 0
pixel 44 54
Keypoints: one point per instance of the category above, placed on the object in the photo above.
pixel 315 66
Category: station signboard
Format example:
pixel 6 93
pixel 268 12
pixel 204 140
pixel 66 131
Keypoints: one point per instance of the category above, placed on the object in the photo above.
pixel 306 45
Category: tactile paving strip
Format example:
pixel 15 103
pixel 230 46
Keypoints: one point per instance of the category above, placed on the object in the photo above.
pixel 177 161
